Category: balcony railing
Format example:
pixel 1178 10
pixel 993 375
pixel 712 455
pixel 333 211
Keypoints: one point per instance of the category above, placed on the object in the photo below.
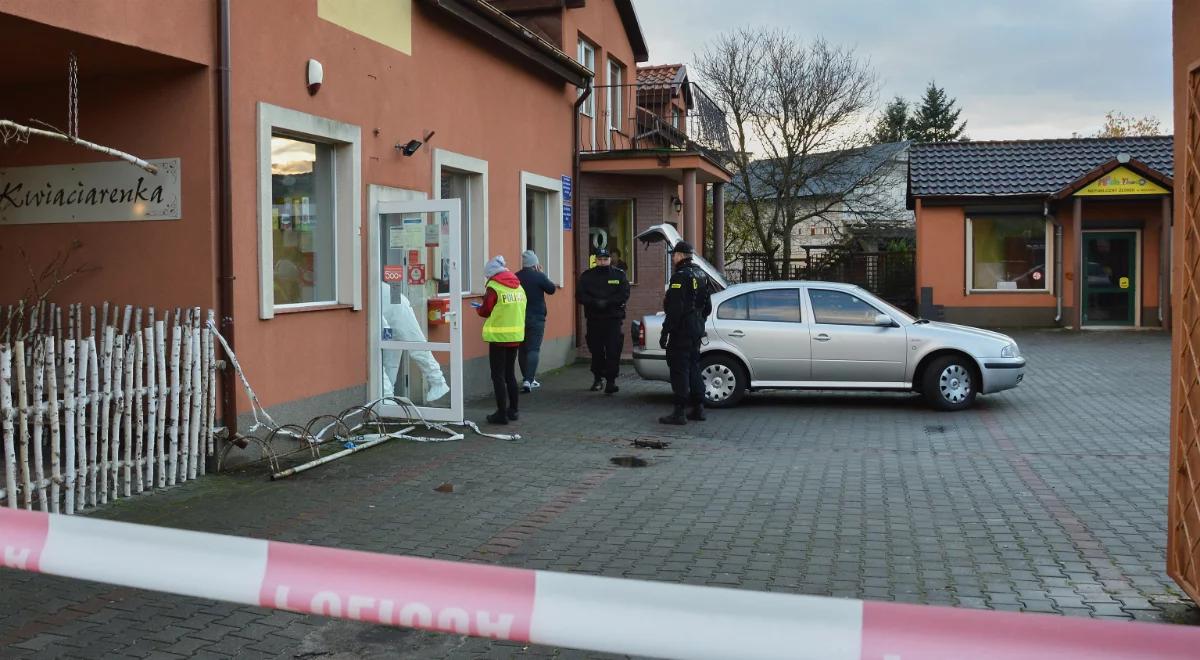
pixel 654 116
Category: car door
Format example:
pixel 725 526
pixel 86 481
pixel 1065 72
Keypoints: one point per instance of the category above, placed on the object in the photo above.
pixel 846 344
pixel 767 327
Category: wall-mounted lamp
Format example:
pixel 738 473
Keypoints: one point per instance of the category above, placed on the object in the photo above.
pixel 677 204
pixel 409 148
pixel 315 74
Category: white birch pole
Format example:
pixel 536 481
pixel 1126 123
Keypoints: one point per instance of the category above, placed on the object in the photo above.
pixel 69 358
pixel 81 372
pixel 118 410
pixel 173 458
pixel 151 402
pixel 160 359
pixel 22 426
pixel 93 417
pixel 139 411
pixel 35 407
pixel 52 415
pixel 210 416
pixel 185 402
pixel 197 418
pixel 106 365
pixel 127 415
pixel 6 425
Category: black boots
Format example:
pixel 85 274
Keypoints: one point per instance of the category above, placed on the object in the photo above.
pixel 697 414
pixel 596 384
pixel 676 418
pixel 611 387
pixel 498 417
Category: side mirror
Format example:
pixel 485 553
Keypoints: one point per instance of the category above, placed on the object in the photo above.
pixel 884 321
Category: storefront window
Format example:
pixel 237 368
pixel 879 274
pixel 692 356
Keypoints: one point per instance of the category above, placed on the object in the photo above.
pixel 467 188
pixel 1008 253
pixel 302 224
pixel 610 226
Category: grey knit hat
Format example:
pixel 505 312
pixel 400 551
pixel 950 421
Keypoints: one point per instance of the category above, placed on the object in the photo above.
pixel 529 259
pixel 494 266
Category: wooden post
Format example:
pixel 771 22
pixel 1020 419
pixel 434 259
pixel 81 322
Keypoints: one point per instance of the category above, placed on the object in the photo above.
pixel 196 419
pixel 52 414
pixel 81 363
pixel 185 398
pixel 151 402
pixel 127 412
pixel 139 411
pixel 35 407
pixel 94 417
pixel 160 359
pixel 173 458
pixel 6 425
pixel 106 365
pixel 1080 271
pixel 118 411
pixel 69 358
pixel 22 426
pixel 1164 259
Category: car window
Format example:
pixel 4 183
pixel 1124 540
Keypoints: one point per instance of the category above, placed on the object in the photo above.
pixel 780 305
pixel 841 308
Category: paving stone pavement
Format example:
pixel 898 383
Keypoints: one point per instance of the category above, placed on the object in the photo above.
pixel 1048 498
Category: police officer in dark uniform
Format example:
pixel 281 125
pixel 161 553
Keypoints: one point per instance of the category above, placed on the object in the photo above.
pixel 603 291
pixel 687 304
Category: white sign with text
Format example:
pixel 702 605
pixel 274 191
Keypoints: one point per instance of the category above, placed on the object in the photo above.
pixel 89 192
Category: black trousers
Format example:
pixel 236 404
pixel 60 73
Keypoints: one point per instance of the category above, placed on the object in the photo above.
pixel 683 359
pixel 605 339
pixel 503 361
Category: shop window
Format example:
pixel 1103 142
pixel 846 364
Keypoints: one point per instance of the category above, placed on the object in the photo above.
pixel 777 305
pixel 1008 253
pixel 610 226
pixel 463 178
pixel 841 308
pixel 541 229
pixel 309 244
pixel 587 57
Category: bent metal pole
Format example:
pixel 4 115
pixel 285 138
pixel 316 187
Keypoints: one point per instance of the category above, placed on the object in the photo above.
pixel 583 612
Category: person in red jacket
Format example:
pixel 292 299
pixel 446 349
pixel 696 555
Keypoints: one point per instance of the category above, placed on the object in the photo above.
pixel 503 306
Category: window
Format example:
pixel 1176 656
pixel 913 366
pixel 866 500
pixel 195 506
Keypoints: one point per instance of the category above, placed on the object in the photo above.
pixel 587 57
pixel 841 308
pixel 779 305
pixel 542 229
pixel 309 208
pixel 615 77
pixel 1008 253
pixel 610 226
pixel 464 178
pixel 676 119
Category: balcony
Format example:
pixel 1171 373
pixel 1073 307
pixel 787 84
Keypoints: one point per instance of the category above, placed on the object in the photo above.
pixel 662 117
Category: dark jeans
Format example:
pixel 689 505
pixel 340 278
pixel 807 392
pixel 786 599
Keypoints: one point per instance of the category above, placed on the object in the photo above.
pixel 605 338
pixel 531 348
pixel 503 360
pixel 683 359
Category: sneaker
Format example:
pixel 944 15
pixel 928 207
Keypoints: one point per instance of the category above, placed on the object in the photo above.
pixel 533 384
pixel 526 387
pixel 498 417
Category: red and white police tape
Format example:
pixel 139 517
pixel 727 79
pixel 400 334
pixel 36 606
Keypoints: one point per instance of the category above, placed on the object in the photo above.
pixel 583 612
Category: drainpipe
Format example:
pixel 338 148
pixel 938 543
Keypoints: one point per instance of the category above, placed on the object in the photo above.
pixel 1058 267
pixel 225 222
pixel 575 188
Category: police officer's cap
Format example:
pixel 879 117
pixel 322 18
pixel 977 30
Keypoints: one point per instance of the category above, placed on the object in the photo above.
pixel 601 252
pixel 683 247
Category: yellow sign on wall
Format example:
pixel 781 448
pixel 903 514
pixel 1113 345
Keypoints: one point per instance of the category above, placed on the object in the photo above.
pixel 1122 181
pixel 387 21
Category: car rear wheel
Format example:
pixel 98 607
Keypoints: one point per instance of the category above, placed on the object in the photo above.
pixel 950 383
pixel 724 379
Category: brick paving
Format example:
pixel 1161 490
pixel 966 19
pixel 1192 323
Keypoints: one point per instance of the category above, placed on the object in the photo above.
pixel 1047 498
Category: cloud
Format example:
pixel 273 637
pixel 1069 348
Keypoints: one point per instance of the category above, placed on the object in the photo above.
pixel 1019 68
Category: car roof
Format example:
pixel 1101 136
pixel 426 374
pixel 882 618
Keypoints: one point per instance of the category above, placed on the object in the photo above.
pixel 757 286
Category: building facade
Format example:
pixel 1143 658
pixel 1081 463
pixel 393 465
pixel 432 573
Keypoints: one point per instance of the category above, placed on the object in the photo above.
pixel 1044 232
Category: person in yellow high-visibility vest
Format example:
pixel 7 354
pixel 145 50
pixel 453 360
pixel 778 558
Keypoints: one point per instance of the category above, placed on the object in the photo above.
pixel 504 308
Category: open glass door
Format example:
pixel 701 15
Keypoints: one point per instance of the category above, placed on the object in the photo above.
pixel 416 333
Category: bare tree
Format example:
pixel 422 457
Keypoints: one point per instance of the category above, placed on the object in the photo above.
pixel 797 115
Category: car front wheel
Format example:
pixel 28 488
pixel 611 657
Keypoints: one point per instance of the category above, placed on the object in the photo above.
pixel 724 379
pixel 950 383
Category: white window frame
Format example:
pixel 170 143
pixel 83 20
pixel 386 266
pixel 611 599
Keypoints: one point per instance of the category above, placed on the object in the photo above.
pixel 970 258
pixel 555 236
pixel 346 142
pixel 476 236
pixel 586 55
pixel 615 74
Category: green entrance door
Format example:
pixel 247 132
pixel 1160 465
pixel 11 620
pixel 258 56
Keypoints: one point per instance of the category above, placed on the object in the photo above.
pixel 1110 285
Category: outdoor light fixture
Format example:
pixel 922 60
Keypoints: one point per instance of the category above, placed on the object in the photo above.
pixel 677 204
pixel 411 146
pixel 315 75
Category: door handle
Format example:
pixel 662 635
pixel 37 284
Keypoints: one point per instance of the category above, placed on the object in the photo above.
pixel 737 333
pixel 822 337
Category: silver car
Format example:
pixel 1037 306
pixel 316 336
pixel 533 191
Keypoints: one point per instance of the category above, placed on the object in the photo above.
pixel 829 336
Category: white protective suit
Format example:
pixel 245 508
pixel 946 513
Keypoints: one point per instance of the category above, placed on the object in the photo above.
pixel 402 321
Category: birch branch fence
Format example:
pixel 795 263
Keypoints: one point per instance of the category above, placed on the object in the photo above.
pixel 90 417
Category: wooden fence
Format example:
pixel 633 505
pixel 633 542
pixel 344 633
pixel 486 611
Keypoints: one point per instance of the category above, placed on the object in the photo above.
pixel 87 418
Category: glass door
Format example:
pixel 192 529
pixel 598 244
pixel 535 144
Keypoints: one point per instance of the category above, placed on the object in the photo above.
pixel 416 347
pixel 1110 282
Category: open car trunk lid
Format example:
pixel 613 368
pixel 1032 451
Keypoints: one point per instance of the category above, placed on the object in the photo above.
pixel 669 237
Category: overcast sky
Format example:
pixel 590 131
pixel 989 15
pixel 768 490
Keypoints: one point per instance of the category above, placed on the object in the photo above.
pixel 1019 68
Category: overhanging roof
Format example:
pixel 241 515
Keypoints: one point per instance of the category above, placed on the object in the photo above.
pixel 646 162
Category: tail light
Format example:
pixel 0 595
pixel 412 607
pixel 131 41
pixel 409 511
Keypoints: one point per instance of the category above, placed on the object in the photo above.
pixel 639 334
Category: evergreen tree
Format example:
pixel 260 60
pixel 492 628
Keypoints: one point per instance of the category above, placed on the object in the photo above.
pixel 893 125
pixel 936 120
